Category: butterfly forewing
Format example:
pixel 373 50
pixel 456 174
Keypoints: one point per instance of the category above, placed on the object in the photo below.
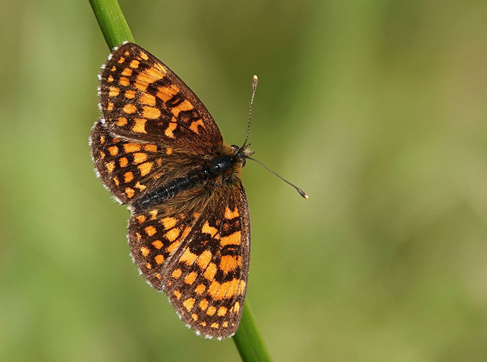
pixel 192 242
pixel 207 278
pixel 143 99
pixel 200 258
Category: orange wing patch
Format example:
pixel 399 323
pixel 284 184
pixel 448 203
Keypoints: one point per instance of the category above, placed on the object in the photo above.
pixel 148 76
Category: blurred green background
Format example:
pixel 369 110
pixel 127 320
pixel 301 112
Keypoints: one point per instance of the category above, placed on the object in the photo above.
pixel 377 109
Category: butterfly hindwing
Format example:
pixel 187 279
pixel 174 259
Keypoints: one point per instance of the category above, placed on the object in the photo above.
pixel 131 168
pixel 155 235
pixel 127 168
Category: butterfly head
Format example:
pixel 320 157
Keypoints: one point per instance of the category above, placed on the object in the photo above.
pixel 242 153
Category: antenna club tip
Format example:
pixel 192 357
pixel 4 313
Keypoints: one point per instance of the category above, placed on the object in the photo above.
pixel 255 80
pixel 303 194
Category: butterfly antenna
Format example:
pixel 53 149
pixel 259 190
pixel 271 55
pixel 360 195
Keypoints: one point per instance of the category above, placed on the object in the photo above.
pixel 301 192
pixel 255 81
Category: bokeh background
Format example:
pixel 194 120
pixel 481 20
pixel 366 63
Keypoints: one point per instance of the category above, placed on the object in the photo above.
pixel 378 109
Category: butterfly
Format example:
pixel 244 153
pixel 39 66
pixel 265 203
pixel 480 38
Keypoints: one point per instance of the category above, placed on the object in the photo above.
pixel 158 150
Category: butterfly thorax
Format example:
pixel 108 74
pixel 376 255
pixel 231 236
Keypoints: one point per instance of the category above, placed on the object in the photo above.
pixel 223 167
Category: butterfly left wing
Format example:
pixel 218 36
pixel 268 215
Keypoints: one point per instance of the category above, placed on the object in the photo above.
pixel 154 128
pixel 200 258
pixel 142 99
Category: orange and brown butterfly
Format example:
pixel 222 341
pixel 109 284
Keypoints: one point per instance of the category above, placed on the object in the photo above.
pixel 158 150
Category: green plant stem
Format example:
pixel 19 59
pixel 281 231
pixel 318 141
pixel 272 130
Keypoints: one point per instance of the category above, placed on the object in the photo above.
pixel 115 29
pixel 112 22
pixel 248 340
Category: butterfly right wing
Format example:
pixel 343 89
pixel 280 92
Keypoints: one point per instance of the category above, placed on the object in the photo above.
pixel 198 255
pixel 206 280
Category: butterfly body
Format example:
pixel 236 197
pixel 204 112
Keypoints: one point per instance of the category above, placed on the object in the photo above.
pixel 220 169
pixel 158 150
